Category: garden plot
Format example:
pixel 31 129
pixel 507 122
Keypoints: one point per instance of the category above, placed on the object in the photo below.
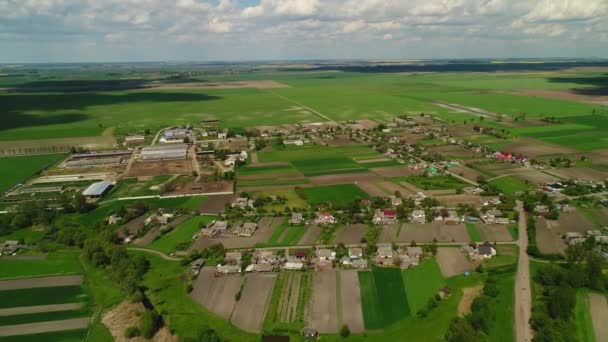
pixel 155 232
pixel 250 310
pixel 466 172
pixel 217 204
pixel 451 201
pixel 372 189
pixel 290 294
pixel 535 148
pixel 322 313
pixel 351 234
pixel 599 314
pixel 159 168
pixel 345 178
pixel 433 231
pixel 44 327
pixel 350 292
pixel 394 171
pixel 25 310
pixel 571 222
pixel 537 177
pixel 391 188
pixel 30 283
pixel 548 238
pixel 453 262
pixel 579 173
pixel 216 294
pixel 383 297
pixel 494 232
pixel 389 233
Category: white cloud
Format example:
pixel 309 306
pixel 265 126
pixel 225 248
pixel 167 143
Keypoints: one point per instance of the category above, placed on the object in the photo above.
pixel 218 26
pixel 563 10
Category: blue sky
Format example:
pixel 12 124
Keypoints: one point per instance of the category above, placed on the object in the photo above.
pixel 156 30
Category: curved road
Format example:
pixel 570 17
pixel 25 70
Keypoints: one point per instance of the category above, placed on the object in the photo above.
pixel 523 295
pixel 160 254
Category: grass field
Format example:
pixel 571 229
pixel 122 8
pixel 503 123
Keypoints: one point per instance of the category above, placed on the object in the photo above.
pixel 341 194
pixel 131 187
pixel 40 296
pixel 14 170
pixel 501 326
pixel 265 170
pixel 63 336
pixel 436 182
pixel 510 184
pixel 473 231
pixel 582 317
pixel 182 233
pixel 383 297
pixel 285 235
pixel 293 200
pixel 56 263
pixel 422 283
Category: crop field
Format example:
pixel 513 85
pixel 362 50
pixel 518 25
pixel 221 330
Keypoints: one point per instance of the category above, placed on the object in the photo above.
pixel 14 170
pixel 285 235
pixel 181 236
pixel 511 184
pixel 383 297
pixel 422 283
pixel 436 182
pixel 53 264
pixel 341 194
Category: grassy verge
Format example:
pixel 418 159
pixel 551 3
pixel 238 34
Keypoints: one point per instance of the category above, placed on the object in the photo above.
pixel 474 233
pixel 582 317
pixel 181 236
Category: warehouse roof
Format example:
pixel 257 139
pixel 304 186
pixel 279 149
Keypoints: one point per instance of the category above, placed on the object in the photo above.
pixel 165 148
pixel 97 189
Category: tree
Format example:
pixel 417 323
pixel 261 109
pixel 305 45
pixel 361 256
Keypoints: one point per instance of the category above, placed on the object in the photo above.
pixel 460 330
pixel 344 331
pixel 561 302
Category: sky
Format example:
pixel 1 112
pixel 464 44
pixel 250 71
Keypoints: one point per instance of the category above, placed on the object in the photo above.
pixel 235 30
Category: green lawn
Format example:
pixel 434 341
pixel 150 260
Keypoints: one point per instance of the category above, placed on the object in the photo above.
pixel 511 184
pixel 383 297
pixel 56 263
pixel 502 325
pixel 514 231
pixel 29 236
pixel 285 235
pixel 131 187
pixel 422 283
pixel 473 231
pixel 181 233
pixel 341 194
pixel 14 170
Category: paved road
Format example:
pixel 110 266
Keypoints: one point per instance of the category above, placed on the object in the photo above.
pixel 523 295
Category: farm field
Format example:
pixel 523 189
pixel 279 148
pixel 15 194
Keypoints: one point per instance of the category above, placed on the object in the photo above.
pixel 54 263
pixel 422 283
pixel 383 297
pixel 510 184
pixel 436 182
pixel 14 170
pixel 180 237
pixel 341 194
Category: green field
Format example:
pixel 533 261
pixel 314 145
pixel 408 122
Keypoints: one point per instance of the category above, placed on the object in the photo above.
pixel 182 233
pixel 265 170
pixel 40 296
pixel 63 336
pixel 341 194
pixel 422 283
pixel 582 317
pixel 285 235
pixel 131 187
pixel 511 184
pixel 56 263
pixel 473 231
pixel 14 170
pixel 383 297
pixel 436 182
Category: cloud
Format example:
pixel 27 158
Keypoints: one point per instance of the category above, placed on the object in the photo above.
pixel 565 10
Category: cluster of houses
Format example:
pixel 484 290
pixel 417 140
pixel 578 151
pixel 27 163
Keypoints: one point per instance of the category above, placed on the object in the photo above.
pixel 598 235
pixel 404 257
pixel 178 135
pixel 218 228
pixel 494 216
pixel 479 251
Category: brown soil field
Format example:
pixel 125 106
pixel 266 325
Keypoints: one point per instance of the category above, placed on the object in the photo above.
pixel 451 201
pixel 350 293
pixel 203 188
pixel 310 237
pixel 547 238
pixel 513 170
pixel 340 140
pixel 216 204
pixel 598 156
pixel 494 232
pixel 254 158
pixel 468 295
pixel 42 327
pixel 351 234
pixel 55 145
pixel 585 173
pixel 24 310
pixel 159 168
pixel 388 233
pixel 566 94
pixel 345 178
pixel 271 187
pixel 453 151
pixel 394 171
pixel 126 315
pixel 443 192
pixel 453 262
pixel 410 187
pixel 411 138
pixel 266 226
pixel 372 189
pixel 535 148
pixel 133 226
pixel 362 124
pixel 571 222
pixel 279 163
pixel 30 283
pixel 434 230
pixel 537 177
pixel 391 188
pixel 216 294
pixel 375 160
pixel 290 291
pixel 250 310
pixel 261 84
pixel 466 172
pixel 322 313
pixel 599 314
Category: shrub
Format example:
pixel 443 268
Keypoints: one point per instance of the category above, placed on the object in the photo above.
pixel 132 332
pixel 344 331
pixel 150 322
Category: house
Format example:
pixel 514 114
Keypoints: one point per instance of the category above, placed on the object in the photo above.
pixel 490 201
pixel 470 251
pixel 491 216
pixel 419 197
pixel 385 252
pixel 325 218
pixel 389 216
pixel 246 229
pixel 196 265
pixel 324 264
pixel 228 269
pixel 222 135
pixel 355 253
pixel 567 208
pixel 451 219
pixel 260 268
pixel 242 203
pixel 300 255
pixel 541 210
pixel 114 219
pixel 134 140
pixel 486 250
pixel 359 263
pixel 212 230
pixel 296 218
pixel 309 333
pixel 233 257
pixel 326 254
pixel 418 216
pixel 9 247
pixel 265 257
pixel 395 201
pixel 293 264
pixel 97 190
pixel 414 252
pixel 168 213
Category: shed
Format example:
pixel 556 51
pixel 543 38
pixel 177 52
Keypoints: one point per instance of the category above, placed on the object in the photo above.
pixel 98 189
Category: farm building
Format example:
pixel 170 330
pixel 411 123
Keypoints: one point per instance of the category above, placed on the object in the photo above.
pixel 82 162
pixel 97 190
pixel 246 229
pixel 100 154
pixel 40 189
pixel 355 253
pixel 135 140
pixel 418 216
pixel 228 269
pixel 296 218
pixel 178 151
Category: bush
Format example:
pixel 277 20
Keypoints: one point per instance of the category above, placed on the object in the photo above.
pixel 150 322
pixel 132 332
pixel 344 331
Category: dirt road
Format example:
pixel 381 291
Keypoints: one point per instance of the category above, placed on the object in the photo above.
pixel 523 295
